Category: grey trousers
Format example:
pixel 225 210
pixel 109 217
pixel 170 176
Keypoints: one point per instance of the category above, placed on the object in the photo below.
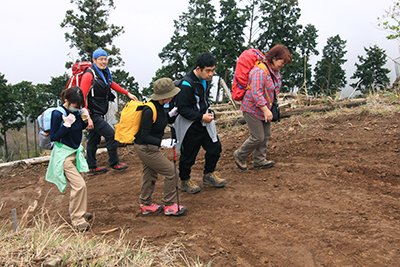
pixel 260 132
pixel 154 163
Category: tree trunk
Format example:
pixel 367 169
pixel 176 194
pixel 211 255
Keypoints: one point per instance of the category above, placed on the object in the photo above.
pixel 5 146
pixel 35 135
pixel 218 89
pixel 225 79
pixel 26 135
pixel 251 25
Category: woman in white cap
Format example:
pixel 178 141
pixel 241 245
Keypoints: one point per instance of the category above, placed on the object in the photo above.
pixel 148 141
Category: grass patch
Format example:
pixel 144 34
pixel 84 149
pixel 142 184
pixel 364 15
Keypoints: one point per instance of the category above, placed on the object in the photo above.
pixel 46 243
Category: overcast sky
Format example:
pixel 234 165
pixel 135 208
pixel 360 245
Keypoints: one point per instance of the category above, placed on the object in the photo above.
pixel 34 49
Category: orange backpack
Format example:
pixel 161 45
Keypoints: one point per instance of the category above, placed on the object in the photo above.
pixel 244 65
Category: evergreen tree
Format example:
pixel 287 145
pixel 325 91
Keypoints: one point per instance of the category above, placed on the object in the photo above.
pixel 370 70
pixel 10 115
pixel 54 89
pixel 199 24
pixel 330 77
pixel 36 107
pixel 164 71
pixel 279 25
pixel 24 94
pixel 91 31
pixel 127 82
pixel 174 54
pixel 194 33
pixel 307 48
pixel 253 12
pixel 229 39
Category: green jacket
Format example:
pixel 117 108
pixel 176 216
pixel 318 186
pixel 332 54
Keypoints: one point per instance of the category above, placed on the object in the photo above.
pixel 55 170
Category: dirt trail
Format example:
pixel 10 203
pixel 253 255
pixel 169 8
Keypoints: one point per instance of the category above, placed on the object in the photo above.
pixel 332 198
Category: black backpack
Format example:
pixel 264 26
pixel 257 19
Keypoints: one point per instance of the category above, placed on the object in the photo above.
pixel 178 83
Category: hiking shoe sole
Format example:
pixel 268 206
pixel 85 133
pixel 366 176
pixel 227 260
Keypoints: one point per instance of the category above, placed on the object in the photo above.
pixel 237 161
pixel 267 165
pixel 160 209
pixel 83 227
pixel 119 170
pixel 95 173
pixel 221 184
pixel 194 191
pixel 180 212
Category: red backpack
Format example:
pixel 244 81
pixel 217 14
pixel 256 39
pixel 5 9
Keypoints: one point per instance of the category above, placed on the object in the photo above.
pixel 78 69
pixel 244 65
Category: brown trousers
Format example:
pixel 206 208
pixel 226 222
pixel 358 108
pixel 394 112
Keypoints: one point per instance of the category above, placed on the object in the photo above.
pixel 78 196
pixel 154 163
pixel 260 132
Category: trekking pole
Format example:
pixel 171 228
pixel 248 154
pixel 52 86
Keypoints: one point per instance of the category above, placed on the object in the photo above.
pixel 173 136
pixel 177 194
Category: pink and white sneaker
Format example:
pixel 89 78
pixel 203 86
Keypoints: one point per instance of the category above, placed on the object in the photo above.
pixel 152 208
pixel 173 210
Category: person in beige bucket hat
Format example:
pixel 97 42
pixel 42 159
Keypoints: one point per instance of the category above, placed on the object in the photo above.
pixel 148 142
pixel 164 88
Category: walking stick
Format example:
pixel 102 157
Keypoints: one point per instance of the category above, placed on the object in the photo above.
pixel 173 136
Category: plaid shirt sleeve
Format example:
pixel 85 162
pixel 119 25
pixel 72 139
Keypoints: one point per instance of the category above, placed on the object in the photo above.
pixel 255 96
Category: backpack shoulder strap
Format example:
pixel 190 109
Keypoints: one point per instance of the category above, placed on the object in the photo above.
pixel 188 80
pixel 59 108
pixel 261 65
pixel 153 108
pixel 265 68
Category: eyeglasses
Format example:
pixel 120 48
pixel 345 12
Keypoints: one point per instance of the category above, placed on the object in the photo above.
pixel 101 59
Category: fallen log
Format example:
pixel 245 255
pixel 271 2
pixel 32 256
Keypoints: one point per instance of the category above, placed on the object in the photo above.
pixel 286 113
pixel 38 160
pixel 324 107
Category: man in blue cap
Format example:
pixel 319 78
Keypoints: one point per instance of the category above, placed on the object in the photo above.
pixel 97 98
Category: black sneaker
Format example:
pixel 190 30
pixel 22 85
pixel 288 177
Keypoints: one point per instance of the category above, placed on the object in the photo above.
pixel 97 170
pixel 119 167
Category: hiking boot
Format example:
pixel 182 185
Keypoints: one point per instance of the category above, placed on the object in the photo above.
pixel 97 170
pixel 240 163
pixel 83 227
pixel 213 179
pixel 119 167
pixel 266 165
pixel 152 208
pixel 173 210
pixel 88 216
pixel 189 186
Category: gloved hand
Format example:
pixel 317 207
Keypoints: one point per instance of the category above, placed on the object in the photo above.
pixel 84 114
pixel 69 120
pixel 173 112
pixel 168 143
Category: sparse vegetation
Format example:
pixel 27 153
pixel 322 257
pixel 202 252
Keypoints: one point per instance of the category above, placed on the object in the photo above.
pixel 42 242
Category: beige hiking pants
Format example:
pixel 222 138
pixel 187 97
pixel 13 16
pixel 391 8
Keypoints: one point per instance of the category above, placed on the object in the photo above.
pixel 154 163
pixel 260 132
pixel 78 196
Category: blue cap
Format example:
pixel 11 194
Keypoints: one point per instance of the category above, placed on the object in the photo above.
pixel 99 53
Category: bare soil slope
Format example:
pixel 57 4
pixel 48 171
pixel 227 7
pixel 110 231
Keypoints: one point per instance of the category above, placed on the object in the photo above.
pixel 332 198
